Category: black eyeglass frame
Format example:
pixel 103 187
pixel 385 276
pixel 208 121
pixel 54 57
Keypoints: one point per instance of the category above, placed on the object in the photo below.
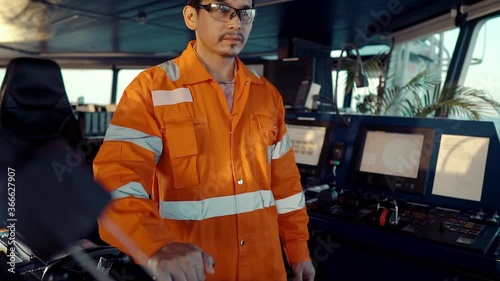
pixel 207 8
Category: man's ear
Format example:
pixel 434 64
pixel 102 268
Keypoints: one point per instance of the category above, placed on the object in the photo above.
pixel 190 17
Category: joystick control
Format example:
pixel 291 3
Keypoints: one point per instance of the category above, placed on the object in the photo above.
pixel 479 215
pixel 494 218
pixel 326 198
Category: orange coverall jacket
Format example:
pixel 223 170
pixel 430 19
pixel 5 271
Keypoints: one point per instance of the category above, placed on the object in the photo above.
pixel 182 168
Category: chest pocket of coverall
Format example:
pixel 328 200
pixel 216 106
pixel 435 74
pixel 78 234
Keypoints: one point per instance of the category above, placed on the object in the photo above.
pixel 265 128
pixel 183 150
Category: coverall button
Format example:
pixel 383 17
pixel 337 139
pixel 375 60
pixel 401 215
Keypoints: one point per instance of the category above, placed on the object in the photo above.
pixel 240 181
pixel 242 242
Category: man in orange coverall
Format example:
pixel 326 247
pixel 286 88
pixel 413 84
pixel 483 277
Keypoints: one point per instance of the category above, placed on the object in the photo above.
pixel 200 165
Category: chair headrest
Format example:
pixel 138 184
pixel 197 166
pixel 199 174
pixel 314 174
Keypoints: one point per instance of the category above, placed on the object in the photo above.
pixel 33 101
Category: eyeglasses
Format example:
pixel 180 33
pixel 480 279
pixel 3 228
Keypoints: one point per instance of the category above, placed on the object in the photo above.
pixel 226 13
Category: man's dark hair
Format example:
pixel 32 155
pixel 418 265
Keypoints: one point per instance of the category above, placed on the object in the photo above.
pixel 193 3
pixel 196 3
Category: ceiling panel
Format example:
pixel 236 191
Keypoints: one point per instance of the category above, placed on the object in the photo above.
pixel 107 26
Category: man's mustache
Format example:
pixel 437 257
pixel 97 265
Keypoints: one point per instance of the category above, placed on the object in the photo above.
pixel 233 34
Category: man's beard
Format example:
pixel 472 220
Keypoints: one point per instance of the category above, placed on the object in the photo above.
pixel 234 49
pixel 228 54
pixel 232 52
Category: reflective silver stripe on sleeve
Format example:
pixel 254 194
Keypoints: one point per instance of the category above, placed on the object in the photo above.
pixel 216 207
pixel 291 203
pixel 151 143
pixel 134 189
pixel 281 147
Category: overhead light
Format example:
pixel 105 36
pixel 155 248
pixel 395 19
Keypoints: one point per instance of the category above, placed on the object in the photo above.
pixel 23 20
pixel 12 9
pixel 12 34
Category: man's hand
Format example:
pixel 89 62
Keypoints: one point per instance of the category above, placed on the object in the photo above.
pixel 181 262
pixel 304 271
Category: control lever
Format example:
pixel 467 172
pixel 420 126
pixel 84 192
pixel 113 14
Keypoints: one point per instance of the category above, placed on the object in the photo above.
pixel 442 226
pixel 326 198
pixel 482 217
pixel 104 265
pixel 494 218
pixel 387 213
pixel 479 215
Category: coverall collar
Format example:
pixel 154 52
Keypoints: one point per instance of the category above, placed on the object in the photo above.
pixel 189 61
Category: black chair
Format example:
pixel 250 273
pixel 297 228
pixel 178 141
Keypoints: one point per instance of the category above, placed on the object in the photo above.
pixel 35 107
pixel 34 104
pixel 35 110
pixel 37 129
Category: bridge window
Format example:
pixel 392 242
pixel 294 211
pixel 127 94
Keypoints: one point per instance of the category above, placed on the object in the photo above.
pixel 125 76
pixel 341 95
pixel 94 85
pixel 344 101
pixel 481 68
pixel 430 53
pixel 357 93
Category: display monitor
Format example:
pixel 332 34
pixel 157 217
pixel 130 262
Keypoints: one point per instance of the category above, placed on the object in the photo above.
pixel 461 166
pixel 310 141
pixel 391 157
pixel 292 77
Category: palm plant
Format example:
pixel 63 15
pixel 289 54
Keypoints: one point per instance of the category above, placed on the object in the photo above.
pixel 422 96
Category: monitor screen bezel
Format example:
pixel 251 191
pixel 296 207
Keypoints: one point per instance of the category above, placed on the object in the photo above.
pixel 416 185
pixel 311 170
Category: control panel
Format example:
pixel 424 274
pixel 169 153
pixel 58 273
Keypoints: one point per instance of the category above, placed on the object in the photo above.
pixel 473 231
